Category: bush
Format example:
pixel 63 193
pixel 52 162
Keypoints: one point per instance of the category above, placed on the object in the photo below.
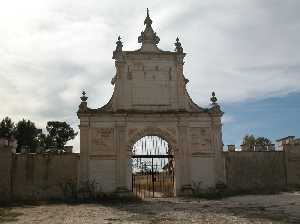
pixel 90 191
pixel 210 193
pixel 69 190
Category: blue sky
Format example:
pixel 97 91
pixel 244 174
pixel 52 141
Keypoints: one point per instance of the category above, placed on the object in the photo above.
pixel 273 118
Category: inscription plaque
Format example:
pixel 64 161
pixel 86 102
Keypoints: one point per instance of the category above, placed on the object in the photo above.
pixel 200 139
pixel 102 141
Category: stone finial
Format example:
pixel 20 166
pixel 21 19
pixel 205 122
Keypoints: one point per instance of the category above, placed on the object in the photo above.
pixel 119 45
pixel 117 54
pixel 148 36
pixel 83 97
pixel 215 107
pixel 83 105
pixel 213 98
pixel 148 21
pixel 178 46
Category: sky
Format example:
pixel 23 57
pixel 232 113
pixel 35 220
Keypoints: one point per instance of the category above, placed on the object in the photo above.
pixel 247 51
pixel 150 145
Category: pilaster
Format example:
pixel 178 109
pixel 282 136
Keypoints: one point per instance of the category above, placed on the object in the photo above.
pixel 122 168
pixel 217 146
pixel 84 153
pixel 185 160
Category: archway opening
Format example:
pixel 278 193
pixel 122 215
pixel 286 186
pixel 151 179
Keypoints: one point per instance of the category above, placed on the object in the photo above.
pixel 152 162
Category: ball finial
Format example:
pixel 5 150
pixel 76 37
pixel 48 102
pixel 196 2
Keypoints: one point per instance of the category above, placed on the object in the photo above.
pixel 83 97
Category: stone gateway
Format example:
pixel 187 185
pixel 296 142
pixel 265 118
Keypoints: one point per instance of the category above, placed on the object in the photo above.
pixel 150 99
pixel 150 139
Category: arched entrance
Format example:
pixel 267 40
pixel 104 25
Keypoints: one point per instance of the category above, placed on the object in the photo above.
pixel 152 166
pixel 150 99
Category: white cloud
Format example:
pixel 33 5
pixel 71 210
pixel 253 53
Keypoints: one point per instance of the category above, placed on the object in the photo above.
pixel 51 50
pixel 227 119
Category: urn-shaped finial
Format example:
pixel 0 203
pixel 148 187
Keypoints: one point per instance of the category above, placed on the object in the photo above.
pixel 117 54
pixel 83 97
pixel 119 44
pixel 213 98
pixel 178 46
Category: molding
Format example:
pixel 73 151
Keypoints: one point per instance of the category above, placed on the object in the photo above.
pixel 204 154
pixel 103 157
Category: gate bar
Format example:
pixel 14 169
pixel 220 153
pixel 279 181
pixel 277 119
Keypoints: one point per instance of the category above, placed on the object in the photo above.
pixel 152 156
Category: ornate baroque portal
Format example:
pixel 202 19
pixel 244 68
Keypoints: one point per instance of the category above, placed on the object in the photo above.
pixel 150 99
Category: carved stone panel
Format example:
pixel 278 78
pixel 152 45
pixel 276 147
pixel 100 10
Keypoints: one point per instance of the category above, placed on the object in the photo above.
pixel 200 139
pixel 172 131
pixel 132 132
pixel 151 92
pixel 102 140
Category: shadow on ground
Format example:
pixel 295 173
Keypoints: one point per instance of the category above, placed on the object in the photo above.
pixel 281 208
pixel 185 210
pixel 7 215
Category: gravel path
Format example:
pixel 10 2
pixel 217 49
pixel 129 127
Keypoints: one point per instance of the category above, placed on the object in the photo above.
pixel 280 208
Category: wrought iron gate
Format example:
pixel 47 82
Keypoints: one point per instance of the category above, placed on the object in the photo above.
pixel 152 169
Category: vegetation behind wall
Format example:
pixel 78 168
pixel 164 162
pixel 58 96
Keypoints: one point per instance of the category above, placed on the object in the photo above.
pixel 32 176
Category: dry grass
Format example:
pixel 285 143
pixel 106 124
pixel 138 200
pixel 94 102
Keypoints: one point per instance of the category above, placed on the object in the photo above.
pixel 163 185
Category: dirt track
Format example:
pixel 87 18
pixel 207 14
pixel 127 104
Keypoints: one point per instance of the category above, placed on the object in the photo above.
pixel 281 208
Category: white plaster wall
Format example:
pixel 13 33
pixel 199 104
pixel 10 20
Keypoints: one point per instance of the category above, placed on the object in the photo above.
pixel 112 174
pixel 103 172
pixel 202 170
pixel 151 85
pixel 129 175
pixel 150 82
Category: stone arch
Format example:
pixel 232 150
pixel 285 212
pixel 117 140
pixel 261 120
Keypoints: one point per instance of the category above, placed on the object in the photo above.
pixel 155 131
pixel 162 180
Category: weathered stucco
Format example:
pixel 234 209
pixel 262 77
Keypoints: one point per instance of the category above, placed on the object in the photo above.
pixel 5 172
pixel 40 176
pixel 150 98
pixel 292 158
pixel 250 170
pixel 255 170
pixel 35 176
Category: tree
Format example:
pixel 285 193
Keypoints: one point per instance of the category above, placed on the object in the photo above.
pixel 59 133
pixel 26 134
pixel 262 141
pixel 7 128
pixel 45 141
pixel 249 142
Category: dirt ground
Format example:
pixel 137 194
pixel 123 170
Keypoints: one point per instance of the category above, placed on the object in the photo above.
pixel 280 208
